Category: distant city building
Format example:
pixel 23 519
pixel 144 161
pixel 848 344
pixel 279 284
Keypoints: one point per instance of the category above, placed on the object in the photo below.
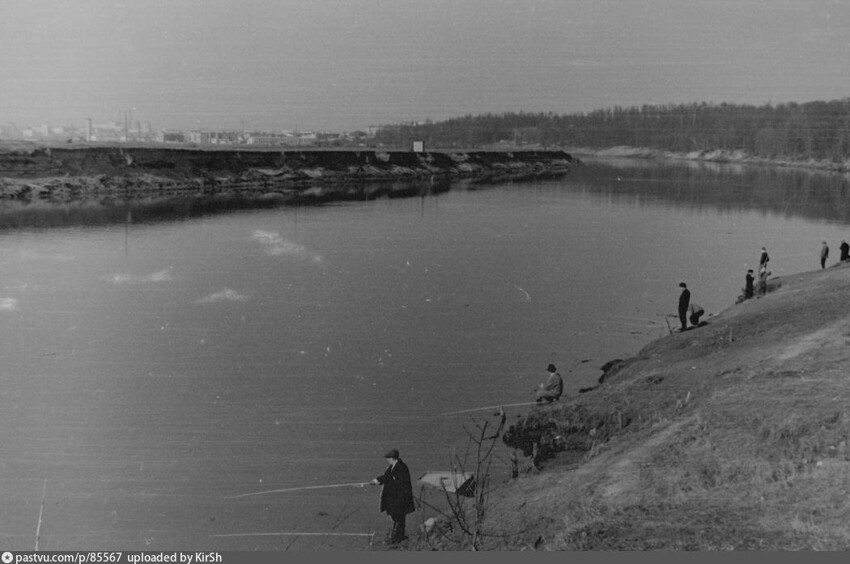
pixel 10 131
pixel 167 136
pixel 41 132
pixel 308 138
pixel 326 139
pixel 111 131
pixel 214 137
pixel 127 130
pixel 270 138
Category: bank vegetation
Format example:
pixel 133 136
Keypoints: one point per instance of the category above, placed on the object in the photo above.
pixel 815 130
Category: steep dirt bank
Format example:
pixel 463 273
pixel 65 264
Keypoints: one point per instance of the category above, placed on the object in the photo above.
pixel 76 172
pixel 729 436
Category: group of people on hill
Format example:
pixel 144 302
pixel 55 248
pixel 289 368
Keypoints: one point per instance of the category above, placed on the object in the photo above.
pixel 843 248
pixel 692 312
pixel 750 289
pixel 397 494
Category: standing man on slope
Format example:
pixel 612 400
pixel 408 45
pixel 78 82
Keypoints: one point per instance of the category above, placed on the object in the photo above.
pixel 396 495
pixel 684 302
pixel 824 252
pixel 845 251
pixel 764 259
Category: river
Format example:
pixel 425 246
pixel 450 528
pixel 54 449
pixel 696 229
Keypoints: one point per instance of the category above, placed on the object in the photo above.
pixel 157 365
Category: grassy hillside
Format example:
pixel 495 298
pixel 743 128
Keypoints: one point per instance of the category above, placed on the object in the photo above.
pixel 731 436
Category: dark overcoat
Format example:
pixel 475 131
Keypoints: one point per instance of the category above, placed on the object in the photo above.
pixel 684 301
pixel 397 493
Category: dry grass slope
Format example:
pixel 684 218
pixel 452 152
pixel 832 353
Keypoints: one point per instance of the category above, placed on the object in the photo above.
pixel 732 436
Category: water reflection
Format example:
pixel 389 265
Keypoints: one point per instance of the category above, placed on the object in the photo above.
pixel 21 214
pixel 786 192
pixel 726 187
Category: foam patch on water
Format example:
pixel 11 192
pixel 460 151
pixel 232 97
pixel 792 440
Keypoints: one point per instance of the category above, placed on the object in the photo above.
pixel 226 295
pixel 161 276
pixel 8 304
pixel 277 246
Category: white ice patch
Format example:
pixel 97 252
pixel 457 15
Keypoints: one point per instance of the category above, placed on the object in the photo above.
pixel 8 304
pixel 161 276
pixel 226 295
pixel 277 246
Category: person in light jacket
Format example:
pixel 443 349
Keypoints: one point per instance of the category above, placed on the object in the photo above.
pixel 552 389
pixel 761 288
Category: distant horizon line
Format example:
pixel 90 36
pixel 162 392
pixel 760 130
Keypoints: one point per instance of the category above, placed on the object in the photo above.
pixel 131 123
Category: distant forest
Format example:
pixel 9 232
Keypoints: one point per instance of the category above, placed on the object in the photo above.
pixel 811 130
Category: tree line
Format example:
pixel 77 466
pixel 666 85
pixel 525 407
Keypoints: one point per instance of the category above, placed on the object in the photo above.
pixel 811 130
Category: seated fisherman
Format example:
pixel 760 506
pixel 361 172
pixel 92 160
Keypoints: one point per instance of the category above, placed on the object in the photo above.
pixel 696 312
pixel 552 389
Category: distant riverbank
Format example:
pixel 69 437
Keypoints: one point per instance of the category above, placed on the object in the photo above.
pixel 710 156
pixel 62 174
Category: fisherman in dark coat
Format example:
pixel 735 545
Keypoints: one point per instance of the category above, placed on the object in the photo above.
pixel 684 302
pixel 845 251
pixel 748 285
pixel 396 494
pixel 764 259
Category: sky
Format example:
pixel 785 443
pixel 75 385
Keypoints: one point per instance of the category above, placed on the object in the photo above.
pixel 343 65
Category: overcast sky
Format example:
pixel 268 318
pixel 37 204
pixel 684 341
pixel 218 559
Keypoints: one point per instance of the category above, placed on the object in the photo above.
pixel 347 64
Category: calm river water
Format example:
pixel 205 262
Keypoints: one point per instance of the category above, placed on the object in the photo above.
pixel 155 366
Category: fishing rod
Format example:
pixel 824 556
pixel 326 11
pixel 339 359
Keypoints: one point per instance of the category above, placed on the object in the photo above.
pixel 356 484
pixel 503 405
pixel 489 407
pixel 295 535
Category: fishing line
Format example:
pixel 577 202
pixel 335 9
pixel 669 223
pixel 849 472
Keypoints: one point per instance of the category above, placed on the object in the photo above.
pixel 357 484
pixel 295 535
pixel 489 407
